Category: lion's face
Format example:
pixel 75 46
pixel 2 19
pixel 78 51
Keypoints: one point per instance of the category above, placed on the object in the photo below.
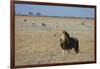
pixel 61 36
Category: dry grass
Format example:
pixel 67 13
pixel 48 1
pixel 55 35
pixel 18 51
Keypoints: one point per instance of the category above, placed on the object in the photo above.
pixel 38 45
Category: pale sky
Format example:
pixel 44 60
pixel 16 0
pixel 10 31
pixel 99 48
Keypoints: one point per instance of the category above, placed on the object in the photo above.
pixel 54 10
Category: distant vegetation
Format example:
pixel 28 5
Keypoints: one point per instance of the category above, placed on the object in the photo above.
pixel 40 14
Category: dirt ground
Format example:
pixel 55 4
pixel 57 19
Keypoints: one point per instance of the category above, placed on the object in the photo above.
pixel 35 42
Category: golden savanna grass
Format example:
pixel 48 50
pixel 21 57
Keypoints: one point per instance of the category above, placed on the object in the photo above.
pixel 37 44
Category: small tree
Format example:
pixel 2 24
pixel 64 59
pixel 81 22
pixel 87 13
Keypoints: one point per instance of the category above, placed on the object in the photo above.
pixel 30 13
pixel 38 14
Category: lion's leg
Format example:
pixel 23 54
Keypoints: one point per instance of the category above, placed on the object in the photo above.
pixel 63 52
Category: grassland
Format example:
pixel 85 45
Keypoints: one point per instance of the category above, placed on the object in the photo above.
pixel 36 44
